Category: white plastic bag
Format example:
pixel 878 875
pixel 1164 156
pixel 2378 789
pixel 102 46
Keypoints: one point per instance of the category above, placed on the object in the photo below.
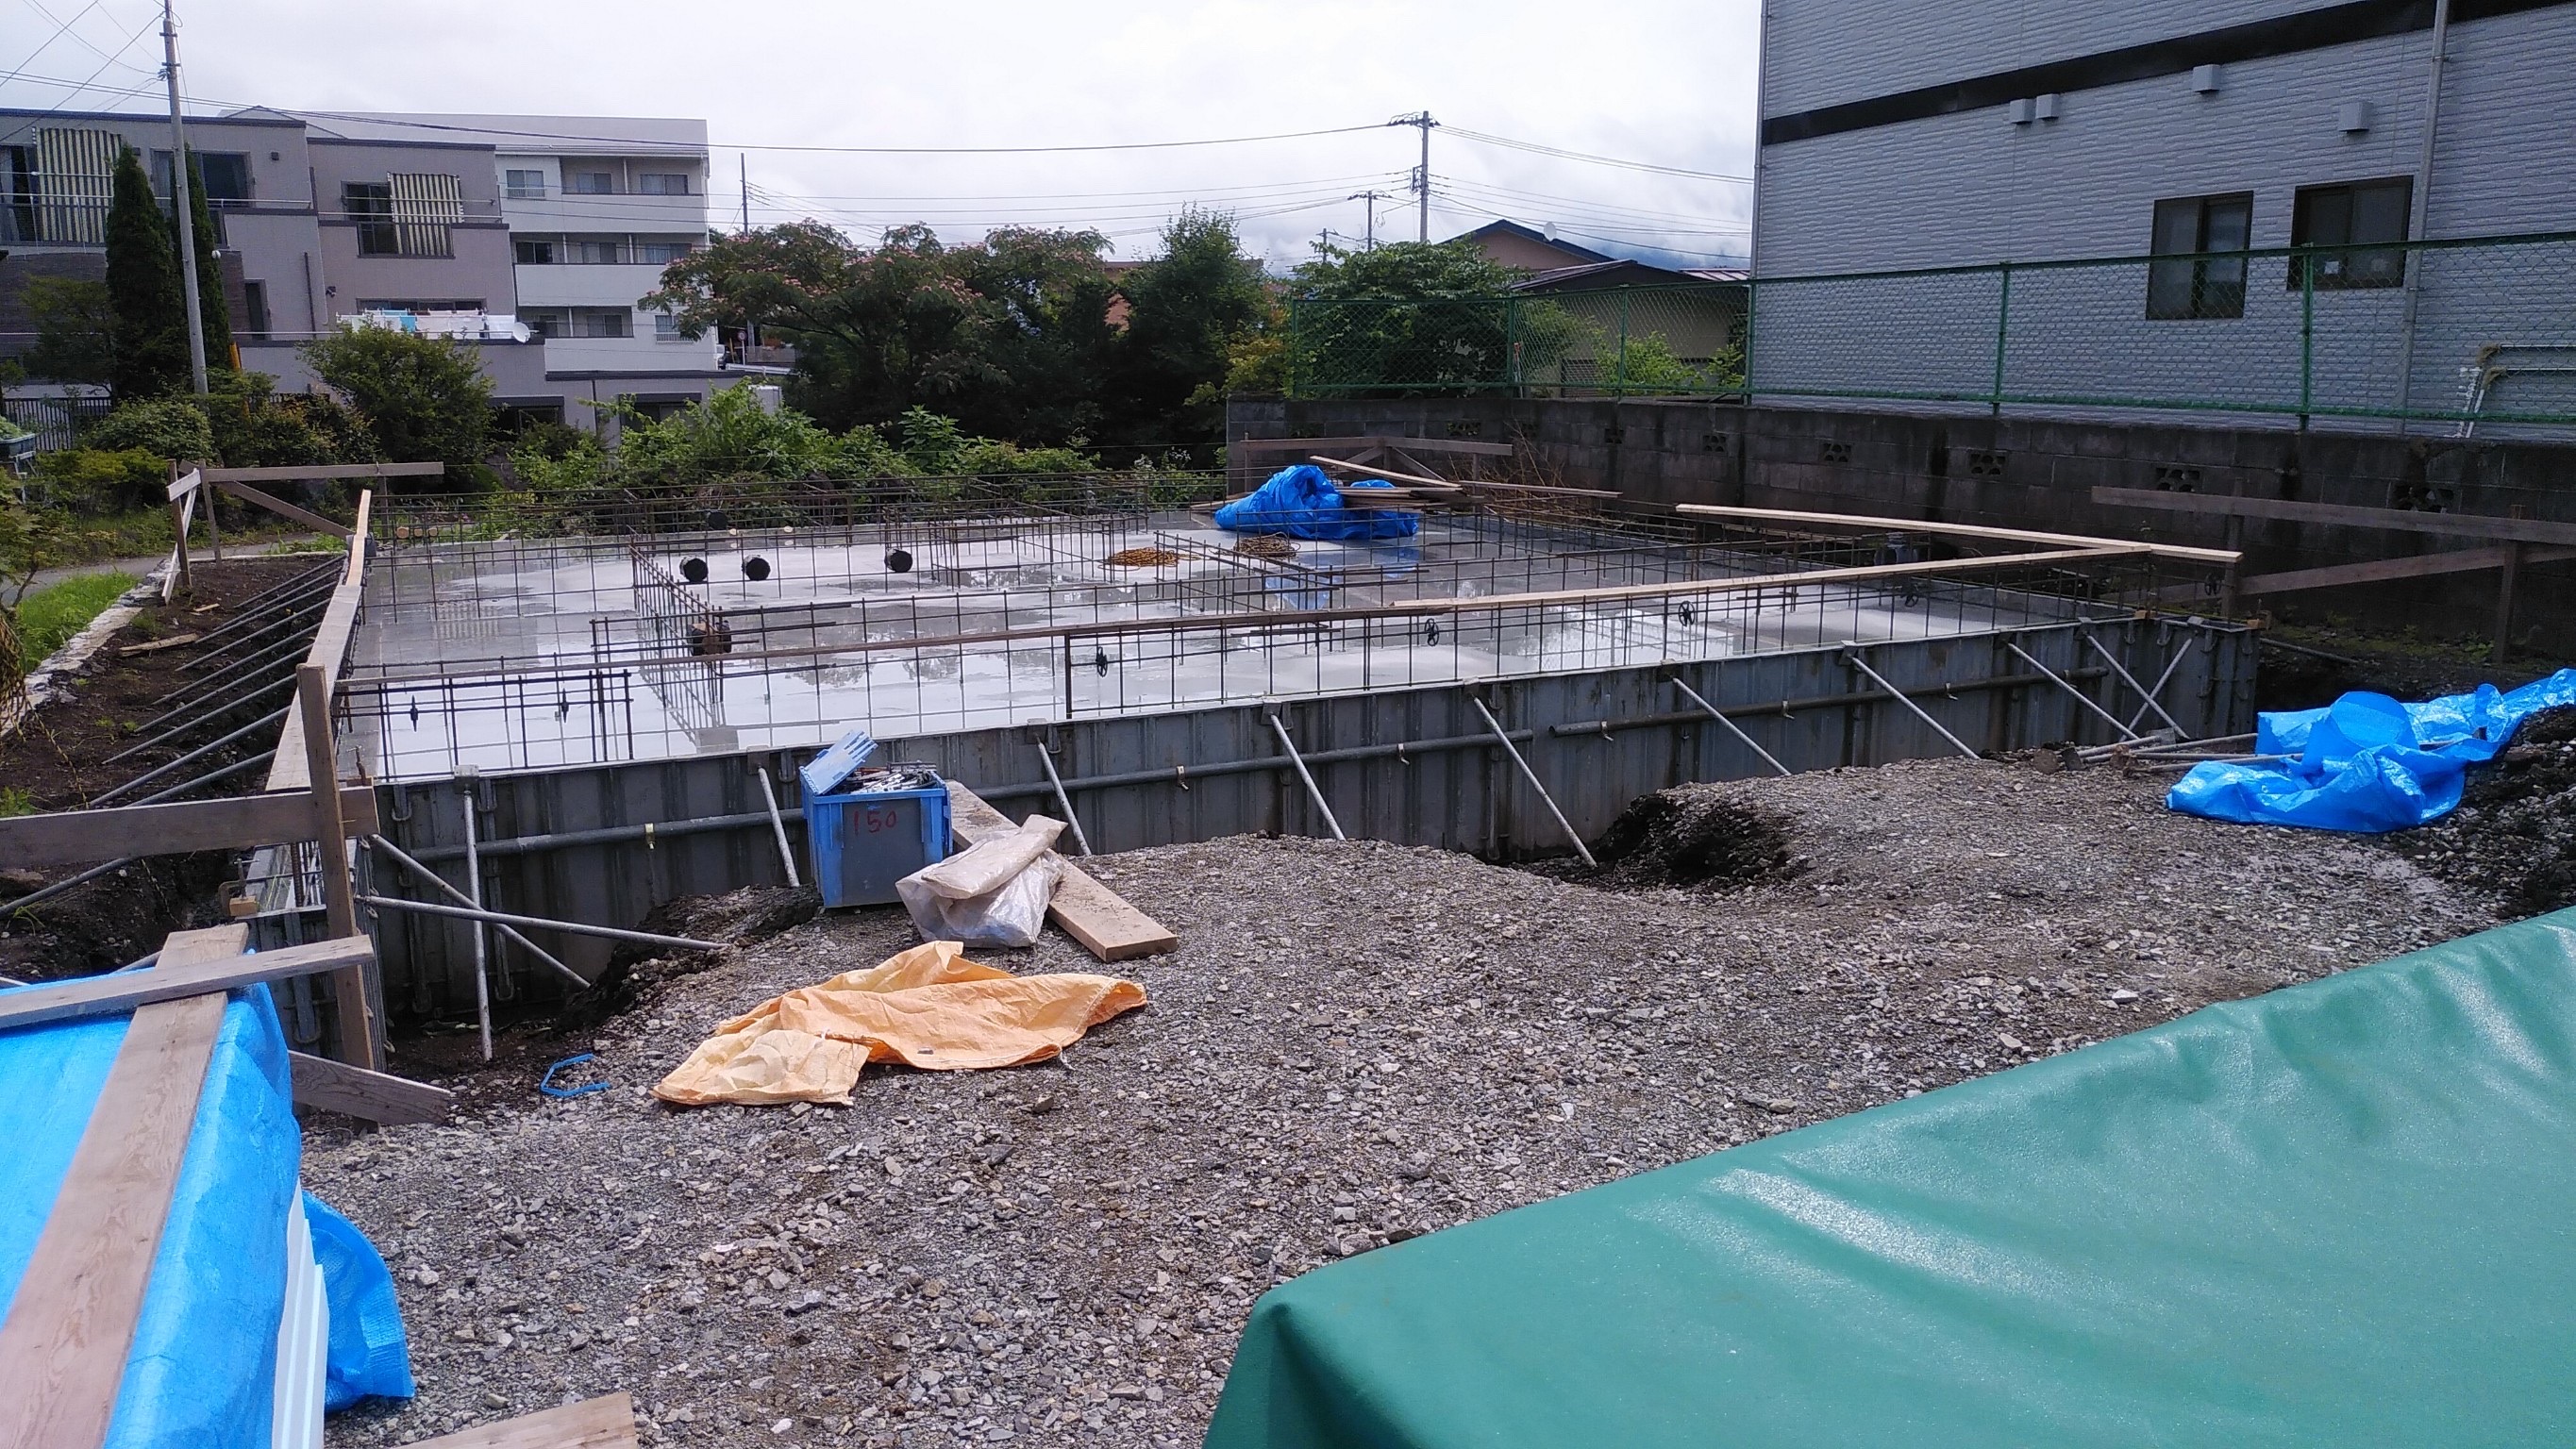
pixel 993 894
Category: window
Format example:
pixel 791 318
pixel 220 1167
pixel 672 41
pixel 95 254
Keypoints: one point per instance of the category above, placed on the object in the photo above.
pixel 2200 229
pixel 534 252
pixel 663 183
pixel 71 181
pixel 426 205
pixel 591 183
pixel 226 174
pixel 255 311
pixel 417 305
pixel 524 185
pixel 371 205
pixel 592 251
pixel 17 194
pixel 661 253
pixel 602 322
pixel 666 328
pixel 2350 216
pixel 547 321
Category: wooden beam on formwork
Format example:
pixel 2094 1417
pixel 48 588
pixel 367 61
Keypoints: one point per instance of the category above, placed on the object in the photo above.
pixel 71 1323
pixel 1091 913
pixel 173 979
pixel 602 1423
pixel 78 837
pixel 302 473
pixel 2400 520
pixel 2387 570
pixel 286 510
pixel 2216 557
pixel 1251 446
pixel 330 1086
pixel 290 770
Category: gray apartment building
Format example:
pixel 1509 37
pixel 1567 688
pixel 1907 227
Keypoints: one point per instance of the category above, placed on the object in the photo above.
pixel 1941 134
pixel 528 237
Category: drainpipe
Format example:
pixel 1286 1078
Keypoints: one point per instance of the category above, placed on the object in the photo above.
pixel 2417 224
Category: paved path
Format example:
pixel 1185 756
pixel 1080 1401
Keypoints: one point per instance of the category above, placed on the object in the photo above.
pixel 47 578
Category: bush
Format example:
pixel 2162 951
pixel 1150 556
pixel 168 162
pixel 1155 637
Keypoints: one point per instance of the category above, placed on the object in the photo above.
pixel 423 398
pixel 103 480
pixel 172 429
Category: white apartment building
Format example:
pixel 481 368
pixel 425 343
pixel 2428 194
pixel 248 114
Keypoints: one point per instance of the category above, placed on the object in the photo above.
pixel 1945 134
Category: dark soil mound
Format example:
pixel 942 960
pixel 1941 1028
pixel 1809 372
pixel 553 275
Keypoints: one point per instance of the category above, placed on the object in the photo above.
pixel 2514 835
pixel 1690 840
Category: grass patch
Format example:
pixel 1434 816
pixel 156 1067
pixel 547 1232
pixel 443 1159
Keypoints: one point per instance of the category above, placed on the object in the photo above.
pixel 52 615
pixel 14 801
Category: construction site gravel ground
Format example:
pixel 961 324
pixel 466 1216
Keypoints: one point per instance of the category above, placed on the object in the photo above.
pixel 1355 1044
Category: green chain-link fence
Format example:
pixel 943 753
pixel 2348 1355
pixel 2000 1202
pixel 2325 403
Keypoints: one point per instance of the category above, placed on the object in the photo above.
pixel 2471 333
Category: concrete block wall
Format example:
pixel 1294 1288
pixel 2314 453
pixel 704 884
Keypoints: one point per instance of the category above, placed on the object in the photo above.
pixel 2029 473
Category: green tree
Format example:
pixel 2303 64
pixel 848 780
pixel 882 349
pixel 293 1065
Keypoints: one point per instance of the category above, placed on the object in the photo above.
pixel 150 333
pixel 75 329
pixel 213 317
pixel 1186 312
pixel 1419 317
pixel 173 429
pixel 424 398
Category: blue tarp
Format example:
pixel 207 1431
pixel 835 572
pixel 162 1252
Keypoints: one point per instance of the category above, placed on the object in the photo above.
pixel 1302 503
pixel 202 1370
pixel 2367 762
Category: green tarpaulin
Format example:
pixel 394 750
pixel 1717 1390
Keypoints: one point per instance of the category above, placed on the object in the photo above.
pixel 2343 1213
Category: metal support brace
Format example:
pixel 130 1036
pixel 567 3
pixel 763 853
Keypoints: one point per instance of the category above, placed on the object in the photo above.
pixel 1313 791
pixel 474 898
pixel 2117 668
pixel 498 918
pixel 1531 775
pixel 1852 657
pixel 777 824
pixel 1730 726
pixel 1063 801
pixel 386 847
pixel 2080 696
pixel 2173 666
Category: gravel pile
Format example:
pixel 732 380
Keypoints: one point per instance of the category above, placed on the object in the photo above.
pixel 2512 841
pixel 1356 1043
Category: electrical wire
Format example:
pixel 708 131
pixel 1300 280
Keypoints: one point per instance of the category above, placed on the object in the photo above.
pixel 840 150
pixel 1488 139
pixel 79 87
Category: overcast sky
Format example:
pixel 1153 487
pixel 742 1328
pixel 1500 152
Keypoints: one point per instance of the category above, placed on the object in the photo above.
pixel 1655 81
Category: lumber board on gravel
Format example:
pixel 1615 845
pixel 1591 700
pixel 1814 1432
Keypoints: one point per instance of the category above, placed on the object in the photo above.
pixel 330 1086
pixel 601 1423
pixel 1091 913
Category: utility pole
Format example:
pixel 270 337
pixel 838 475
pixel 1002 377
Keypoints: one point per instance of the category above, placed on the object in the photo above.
pixel 1422 173
pixel 184 213
pixel 743 161
pixel 1372 198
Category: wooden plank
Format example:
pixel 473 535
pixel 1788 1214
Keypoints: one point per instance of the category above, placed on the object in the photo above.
pixel 2379 571
pixel 289 771
pixel 284 509
pixel 1441 485
pixel 309 473
pixel 71 1325
pixel 330 1086
pixel 157 645
pixel 1250 446
pixel 80 837
pixel 186 483
pixel 2401 520
pixel 2215 556
pixel 602 1423
pixel 1083 908
pixel 360 1043
pixel 126 990
pixel 356 573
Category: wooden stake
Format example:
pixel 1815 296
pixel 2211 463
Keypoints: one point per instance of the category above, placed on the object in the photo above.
pixel 360 1045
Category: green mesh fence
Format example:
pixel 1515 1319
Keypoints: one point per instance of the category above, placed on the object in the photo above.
pixel 2473 333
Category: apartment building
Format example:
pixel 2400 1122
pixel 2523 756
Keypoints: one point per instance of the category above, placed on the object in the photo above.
pixel 529 238
pixel 1945 134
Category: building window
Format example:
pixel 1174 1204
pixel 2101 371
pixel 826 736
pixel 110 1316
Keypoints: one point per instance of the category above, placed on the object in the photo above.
pixel 371 205
pixel 524 185
pixel 547 321
pixel 534 252
pixel 2352 215
pixel 426 205
pixel 2200 230
pixel 661 253
pixel 255 311
pixel 666 328
pixel 419 305
pixel 591 183
pixel 592 251
pixel 226 174
pixel 71 181
pixel 663 183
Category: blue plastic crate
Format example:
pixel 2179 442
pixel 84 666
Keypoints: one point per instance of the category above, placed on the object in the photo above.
pixel 863 841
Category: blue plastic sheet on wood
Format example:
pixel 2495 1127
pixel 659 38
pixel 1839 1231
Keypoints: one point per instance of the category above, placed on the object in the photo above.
pixel 1302 503
pixel 2329 1215
pixel 201 1373
pixel 2367 763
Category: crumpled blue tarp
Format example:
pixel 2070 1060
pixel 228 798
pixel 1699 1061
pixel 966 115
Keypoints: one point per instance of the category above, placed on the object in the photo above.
pixel 202 1371
pixel 2367 762
pixel 369 1356
pixel 1302 503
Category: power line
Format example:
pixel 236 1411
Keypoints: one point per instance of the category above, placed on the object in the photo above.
pixel 419 125
pixel 1565 155
pixel 78 87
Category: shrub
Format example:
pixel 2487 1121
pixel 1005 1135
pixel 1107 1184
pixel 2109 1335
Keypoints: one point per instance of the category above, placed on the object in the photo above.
pixel 169 428
pixel 103 480
pixel 423 398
